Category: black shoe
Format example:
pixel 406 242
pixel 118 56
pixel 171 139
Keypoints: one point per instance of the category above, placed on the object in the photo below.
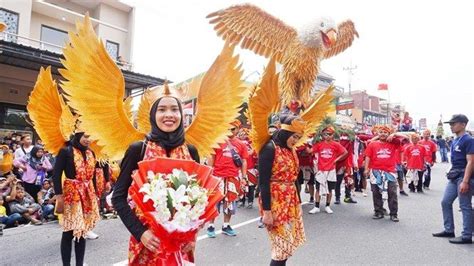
pixel 460 240
pixel 403 193
pixel 420 191
pixel 394 218
pixel 377 216
pixel 443 234
pixel 349 200
pixel 337 201
pixel 311 200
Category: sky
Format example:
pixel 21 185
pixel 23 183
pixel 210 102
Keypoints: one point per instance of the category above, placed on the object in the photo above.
pixel 422 49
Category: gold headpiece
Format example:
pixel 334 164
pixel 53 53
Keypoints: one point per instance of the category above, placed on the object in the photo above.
pixel 167 92
pixel 297 126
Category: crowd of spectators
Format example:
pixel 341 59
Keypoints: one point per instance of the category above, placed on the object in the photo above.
pixel 26 190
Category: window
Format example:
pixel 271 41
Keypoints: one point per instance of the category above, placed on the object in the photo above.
pixel 13 116
pixel 113 49
pixel 11 19
pixel 54 38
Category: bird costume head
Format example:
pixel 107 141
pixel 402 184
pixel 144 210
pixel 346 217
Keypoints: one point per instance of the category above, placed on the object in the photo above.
pixel 318 33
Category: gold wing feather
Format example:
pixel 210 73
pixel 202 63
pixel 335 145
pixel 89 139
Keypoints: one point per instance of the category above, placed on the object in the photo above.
pixel 143 114
pixel 127 104
pixel 316 112
pixel 251 94
pixel 264 101
pixel 95 87
pixel 68 120
pixel 218 103
pixel 254 29
pixel 46 108
pixel 346 33
pixel 98 151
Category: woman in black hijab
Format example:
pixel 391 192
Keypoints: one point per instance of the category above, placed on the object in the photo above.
pixel 76 198
pixel 166 139
pixel 280 205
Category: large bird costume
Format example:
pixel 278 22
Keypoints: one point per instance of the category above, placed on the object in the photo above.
pixel 300 52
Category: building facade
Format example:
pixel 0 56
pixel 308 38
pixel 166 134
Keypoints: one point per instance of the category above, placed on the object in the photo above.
pixel 367 109
pixel 34 36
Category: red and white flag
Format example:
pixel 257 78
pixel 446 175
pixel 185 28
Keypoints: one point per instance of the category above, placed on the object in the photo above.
pixel 383 87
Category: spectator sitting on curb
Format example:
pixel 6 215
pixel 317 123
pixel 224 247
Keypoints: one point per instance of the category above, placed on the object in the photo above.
pixel 47 200
pixel 26 206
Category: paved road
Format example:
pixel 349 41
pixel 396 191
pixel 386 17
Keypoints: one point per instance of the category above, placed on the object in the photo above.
pixel 349 236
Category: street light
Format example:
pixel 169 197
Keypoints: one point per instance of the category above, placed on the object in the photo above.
pixel 350 72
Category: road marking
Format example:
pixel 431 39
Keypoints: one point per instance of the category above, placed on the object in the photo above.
pixel 122 263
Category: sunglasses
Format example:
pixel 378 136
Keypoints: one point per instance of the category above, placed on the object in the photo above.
pixel 327 134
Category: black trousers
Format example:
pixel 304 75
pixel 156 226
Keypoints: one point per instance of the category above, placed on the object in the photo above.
pixel 419 186
pixel 66 249
pixel 392 198
pixel 347 191
pixel 250 195
pixel 428 176
pixel 32 189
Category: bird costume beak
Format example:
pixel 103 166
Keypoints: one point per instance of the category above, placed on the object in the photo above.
pixel 329 38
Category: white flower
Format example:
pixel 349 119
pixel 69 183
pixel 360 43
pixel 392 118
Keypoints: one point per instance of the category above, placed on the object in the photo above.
pixel 178 196
pixel 150 175
pixel 162 214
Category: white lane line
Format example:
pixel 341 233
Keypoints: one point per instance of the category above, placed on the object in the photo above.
pixel 122 263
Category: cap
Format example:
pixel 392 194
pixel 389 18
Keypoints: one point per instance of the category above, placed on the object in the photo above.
pixel 2 178
pixel 458 118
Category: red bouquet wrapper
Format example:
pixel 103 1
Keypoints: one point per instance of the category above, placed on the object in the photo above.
pixel 172 242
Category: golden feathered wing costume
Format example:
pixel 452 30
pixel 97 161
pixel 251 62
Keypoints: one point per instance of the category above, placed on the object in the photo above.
pixel 51 117
pixel 300 54
pixel 95 88
pixel 266 100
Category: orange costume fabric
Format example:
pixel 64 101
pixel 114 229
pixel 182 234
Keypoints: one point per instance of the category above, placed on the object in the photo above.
pixel 81 211
pixel 287 233
pixel 138 254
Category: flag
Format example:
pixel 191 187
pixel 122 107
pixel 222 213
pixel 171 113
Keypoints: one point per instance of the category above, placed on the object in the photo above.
pixel 383 87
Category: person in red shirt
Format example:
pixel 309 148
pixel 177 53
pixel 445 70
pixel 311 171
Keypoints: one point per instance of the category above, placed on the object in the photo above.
pixel 430 147
pixel 400 168
pixel 226 168
pixel 328 152
pixel 380 166
pixel 306 173
pixel 414 159
pixel 252 172
pixel 344 171
pixel 361 184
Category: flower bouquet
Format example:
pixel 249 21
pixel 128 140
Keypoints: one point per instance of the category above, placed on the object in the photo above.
pixel 175 198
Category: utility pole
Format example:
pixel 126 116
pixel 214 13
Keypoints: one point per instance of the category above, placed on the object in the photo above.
pixel 350 72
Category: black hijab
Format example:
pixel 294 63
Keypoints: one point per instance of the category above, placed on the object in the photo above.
pixel 167 140
pixel 75 142
pixel 281 136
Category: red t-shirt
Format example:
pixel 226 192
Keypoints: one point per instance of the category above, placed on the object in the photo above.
pixel 430 149
pixel 383 156
pixel 251 159
pixel 400 151
pixel 327 154
pixel 223 164
pixel 415 156
pixel 306 159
